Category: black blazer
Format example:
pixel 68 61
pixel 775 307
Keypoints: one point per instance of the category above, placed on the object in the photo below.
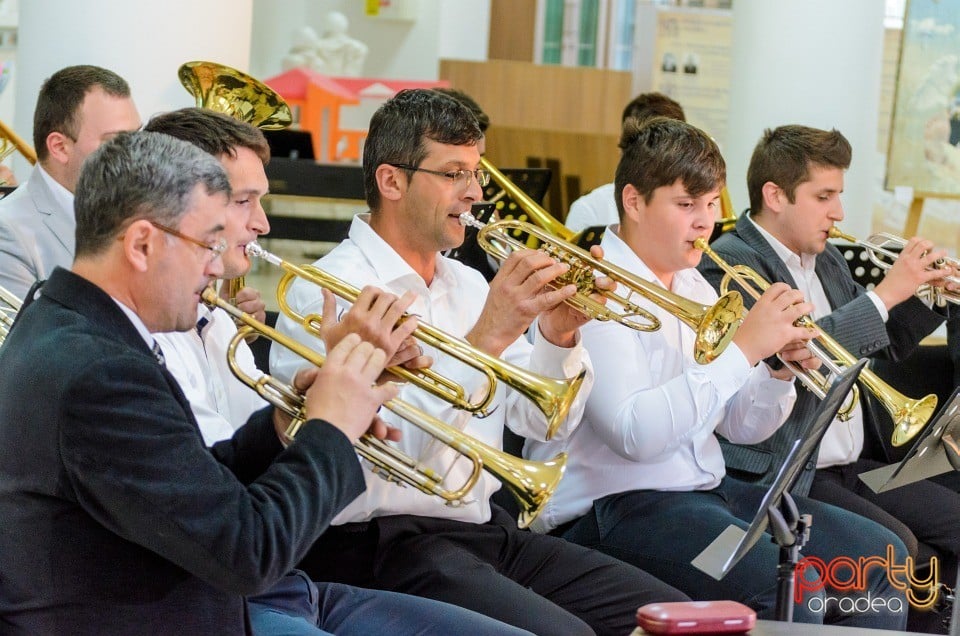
pixel 854 323
pixel 116 518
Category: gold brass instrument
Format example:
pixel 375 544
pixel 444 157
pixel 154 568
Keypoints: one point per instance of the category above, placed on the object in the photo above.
pixel 552 396
pixel 532 483
pixel 536 213
pixel 909 415
pixel 879 252
pixel 9 306
pixel 11 141
pixel 714 325
pixel 231 92
pixel 234 93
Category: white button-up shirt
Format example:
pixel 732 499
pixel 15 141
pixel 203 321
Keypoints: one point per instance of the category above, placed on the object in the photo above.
pixel 598 207
pixel 650 419
pixel 453 302
pixel 220 402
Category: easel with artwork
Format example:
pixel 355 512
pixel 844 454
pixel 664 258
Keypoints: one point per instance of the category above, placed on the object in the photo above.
pixel 924 148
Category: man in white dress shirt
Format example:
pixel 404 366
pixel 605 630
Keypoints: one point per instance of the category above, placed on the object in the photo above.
pixel 78 108
pixel 221 403
pixel 420 171
pixel 646 479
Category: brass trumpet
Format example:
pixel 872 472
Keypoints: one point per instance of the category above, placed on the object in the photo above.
pixel 715 325
pixel 11 141
pixel 552 396
pixel 532 483
pixel 9 306
pixel 879 252
pixel 909 415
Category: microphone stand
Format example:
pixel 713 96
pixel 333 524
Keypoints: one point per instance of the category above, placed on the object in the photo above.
pixel 790 531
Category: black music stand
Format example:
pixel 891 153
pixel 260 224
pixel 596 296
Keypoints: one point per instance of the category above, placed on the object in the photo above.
pixel 777 510
pixel 936 451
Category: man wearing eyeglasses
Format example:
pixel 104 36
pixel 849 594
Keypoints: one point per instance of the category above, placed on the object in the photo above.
pixel 420 172
pixel 117 517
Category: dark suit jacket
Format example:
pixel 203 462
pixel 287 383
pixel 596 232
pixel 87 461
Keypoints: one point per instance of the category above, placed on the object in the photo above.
pixel 854 323
pixel 116 518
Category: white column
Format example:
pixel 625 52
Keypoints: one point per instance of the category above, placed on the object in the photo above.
pixel 810 62
pixel 144 42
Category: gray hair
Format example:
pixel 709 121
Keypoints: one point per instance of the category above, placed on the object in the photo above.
pixel 139 175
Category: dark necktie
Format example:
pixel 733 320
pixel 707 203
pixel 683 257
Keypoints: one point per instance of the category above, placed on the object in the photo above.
pixel 200 325
pixel 158 354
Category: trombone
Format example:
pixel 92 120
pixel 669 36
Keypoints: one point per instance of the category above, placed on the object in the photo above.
pixel 714 325
pixel 909 415
pixel 9 306
pixel 879 246
pixel 552 396
pixel 532 483
pixel 11 141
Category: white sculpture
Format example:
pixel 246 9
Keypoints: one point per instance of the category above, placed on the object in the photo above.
pixel 335 53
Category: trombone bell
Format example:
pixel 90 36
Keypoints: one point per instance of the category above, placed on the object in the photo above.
pixel 234 93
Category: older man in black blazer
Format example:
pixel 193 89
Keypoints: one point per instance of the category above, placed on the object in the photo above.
pixel 117 518
pixel 795 179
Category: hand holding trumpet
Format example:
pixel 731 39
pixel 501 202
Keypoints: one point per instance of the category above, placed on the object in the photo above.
pixel 918 264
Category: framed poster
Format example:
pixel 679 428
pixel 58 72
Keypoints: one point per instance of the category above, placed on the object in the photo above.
pixel 924 148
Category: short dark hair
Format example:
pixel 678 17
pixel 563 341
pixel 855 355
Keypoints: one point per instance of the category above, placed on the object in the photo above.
pixel 647 105
pixel 400 127
pixel 139 175
pixel 213 132
pixel 470 103
pixel 660 151
pixel 784 156
pixel 58 104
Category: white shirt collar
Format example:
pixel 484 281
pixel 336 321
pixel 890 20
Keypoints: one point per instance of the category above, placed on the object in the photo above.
pixel 390 266
pixel 135 319
pixel 805 262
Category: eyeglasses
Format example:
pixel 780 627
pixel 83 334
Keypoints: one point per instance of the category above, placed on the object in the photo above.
pixel 216 249
pixel 457 177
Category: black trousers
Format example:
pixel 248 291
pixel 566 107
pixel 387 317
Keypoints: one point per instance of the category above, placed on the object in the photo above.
pixel 537 582
pixel 923 511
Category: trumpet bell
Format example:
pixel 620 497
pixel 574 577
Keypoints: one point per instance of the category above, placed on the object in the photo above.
pixel 234 93
pixel 718 327
pixel 910 418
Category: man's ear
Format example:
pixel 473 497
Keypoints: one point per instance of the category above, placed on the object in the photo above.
pixel 633 203
pixel 138 244
pixel 389 182
pixel 59 146
pixel 774 198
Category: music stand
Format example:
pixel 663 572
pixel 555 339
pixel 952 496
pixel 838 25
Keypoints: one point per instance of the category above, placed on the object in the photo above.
pixel 777 509
pixel 936 451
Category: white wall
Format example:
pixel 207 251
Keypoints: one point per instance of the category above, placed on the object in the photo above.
pixel 399 49
pixel 144 42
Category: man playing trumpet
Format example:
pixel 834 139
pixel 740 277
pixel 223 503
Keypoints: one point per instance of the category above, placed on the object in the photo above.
pixel 795 179
pixel 420 172
pixel 646 480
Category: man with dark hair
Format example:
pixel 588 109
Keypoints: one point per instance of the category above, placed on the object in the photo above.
pixel 646 480
pixel 117 517
pixel 420 167
pixel 221 403
pixel 598 207
pixel 794 179
pixel 78 108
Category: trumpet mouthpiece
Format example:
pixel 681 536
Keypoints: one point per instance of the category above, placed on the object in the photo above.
pixel 836 233
pixel 253 249
pixel 468 220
